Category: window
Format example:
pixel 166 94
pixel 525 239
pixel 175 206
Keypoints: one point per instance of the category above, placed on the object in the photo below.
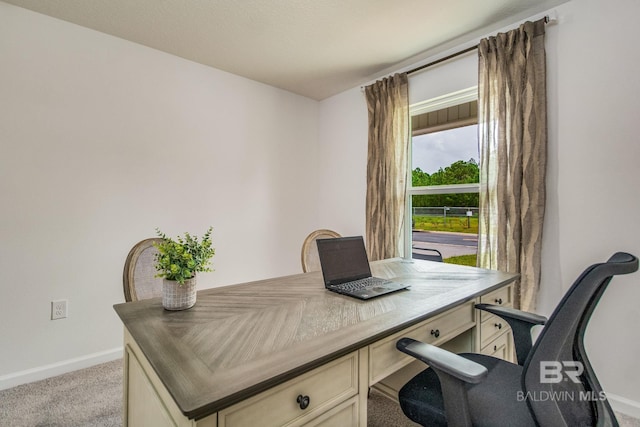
pixel 444 182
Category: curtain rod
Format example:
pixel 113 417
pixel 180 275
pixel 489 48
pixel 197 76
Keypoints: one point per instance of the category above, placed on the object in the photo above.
pixel 446 58
pixel 547 20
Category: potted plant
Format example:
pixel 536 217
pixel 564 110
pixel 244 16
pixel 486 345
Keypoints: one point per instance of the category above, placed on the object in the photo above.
pixel 177 262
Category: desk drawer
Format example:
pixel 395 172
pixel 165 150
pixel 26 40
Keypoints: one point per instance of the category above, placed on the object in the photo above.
pixel 491 328
pixel 326 387
pixel 385 359
pixel 502 296
pixel 343 415
pixel 501 347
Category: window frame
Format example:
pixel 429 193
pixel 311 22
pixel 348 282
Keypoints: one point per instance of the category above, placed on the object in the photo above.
pixel 434 104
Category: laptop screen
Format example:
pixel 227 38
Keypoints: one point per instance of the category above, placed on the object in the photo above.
pixel 343 259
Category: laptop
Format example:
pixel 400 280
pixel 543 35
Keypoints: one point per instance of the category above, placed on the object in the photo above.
pixel 345 268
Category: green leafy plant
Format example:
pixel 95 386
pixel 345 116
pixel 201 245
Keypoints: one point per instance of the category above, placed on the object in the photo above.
pixel 181 258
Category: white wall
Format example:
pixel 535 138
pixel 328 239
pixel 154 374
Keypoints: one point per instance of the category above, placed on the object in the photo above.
pixel 342 155
pixel 102 140
pixel 592 175
pixel 597 183
pixel 444 78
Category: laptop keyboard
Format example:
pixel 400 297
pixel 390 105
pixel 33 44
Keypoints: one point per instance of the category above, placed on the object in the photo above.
pixel 362 283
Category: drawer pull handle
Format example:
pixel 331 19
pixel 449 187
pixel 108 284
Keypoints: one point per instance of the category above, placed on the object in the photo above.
pixel 498 300
pixel 498 325
pixel 303 401
pixel 435 332
pixel 495 348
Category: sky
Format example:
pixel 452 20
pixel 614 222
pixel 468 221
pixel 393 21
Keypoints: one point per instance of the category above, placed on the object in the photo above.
pixel 440 149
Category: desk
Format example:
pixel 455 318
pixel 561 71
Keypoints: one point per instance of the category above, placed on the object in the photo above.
pixel 255 351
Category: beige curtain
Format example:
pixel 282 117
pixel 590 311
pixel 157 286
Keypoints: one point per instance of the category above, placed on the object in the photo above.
pixel 513 139
pixel 388 106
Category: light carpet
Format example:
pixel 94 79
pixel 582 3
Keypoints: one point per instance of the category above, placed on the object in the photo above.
pixel 84 398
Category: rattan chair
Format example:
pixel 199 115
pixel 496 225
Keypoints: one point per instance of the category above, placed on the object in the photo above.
pixel 309 254
pixel 139 272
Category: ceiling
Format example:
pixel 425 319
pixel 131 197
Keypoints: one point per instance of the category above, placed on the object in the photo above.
pixel 315 48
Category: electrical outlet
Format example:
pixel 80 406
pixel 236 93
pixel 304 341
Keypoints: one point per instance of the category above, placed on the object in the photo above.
pixel 58 309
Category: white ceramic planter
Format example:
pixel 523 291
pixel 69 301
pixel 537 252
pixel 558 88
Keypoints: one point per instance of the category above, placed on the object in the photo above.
pixel 178 297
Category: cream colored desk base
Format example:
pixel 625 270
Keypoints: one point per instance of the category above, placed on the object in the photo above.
pixel 338 389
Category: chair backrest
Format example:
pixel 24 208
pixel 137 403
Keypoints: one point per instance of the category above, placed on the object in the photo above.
pixel 428 254
pixel 309 254
pixel 138 277
pixel 558 380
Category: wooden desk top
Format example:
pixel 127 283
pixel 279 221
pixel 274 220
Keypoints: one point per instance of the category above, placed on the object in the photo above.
pixel 240 340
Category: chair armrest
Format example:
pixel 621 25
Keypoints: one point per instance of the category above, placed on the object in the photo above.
pixel 454 373
pixel 521 323
pixel 443 360
pixel 513 313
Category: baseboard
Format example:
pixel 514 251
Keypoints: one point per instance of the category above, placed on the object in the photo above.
pixel 48 371
pixel 624 406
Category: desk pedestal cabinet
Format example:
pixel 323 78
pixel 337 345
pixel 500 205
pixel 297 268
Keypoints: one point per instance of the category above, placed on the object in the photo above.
pixel 333 393
pixel 496 338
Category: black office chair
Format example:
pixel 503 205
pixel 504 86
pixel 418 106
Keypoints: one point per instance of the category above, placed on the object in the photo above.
pixel 553 383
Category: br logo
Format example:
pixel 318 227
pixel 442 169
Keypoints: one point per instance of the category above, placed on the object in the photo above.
pixel 555 372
